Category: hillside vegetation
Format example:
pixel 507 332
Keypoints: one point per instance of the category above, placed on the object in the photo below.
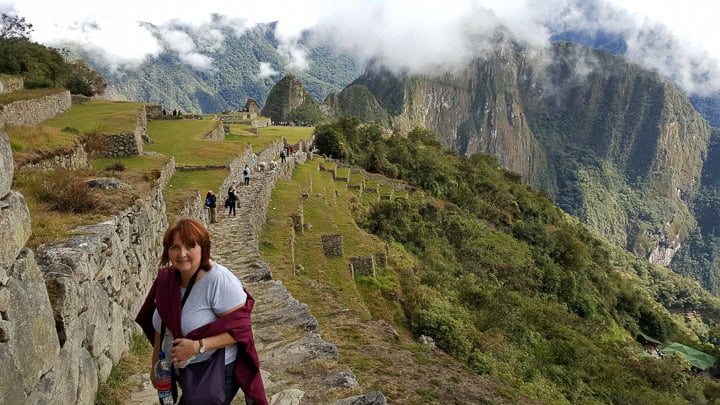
pixel 514 288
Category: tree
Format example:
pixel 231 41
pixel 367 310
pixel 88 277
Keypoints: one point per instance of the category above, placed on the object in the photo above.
pixel 83 80
pixel 14 27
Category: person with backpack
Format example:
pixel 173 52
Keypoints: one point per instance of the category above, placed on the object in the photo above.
pixel 246 175
pixel 282 156
pixel 210 204
pixel 231 199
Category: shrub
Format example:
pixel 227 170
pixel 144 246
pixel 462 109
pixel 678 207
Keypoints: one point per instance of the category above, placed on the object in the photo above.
pixel 116 167
pixel 71 130
pixel 66 192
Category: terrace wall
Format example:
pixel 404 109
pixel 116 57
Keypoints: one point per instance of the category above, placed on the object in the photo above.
pixel 35 111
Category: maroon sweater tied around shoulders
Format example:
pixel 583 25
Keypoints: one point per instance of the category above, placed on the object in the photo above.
pixel 166 292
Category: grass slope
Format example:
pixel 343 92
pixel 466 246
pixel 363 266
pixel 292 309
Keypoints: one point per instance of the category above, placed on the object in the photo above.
pixel 358 314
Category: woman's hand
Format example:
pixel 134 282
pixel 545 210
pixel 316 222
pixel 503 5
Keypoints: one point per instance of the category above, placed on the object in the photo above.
pixel 183 350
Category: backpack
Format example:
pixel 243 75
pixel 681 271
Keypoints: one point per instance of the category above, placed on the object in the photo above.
pixel 246 172
pixel 208 201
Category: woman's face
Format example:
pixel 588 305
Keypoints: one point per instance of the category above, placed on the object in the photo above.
pixel 183 257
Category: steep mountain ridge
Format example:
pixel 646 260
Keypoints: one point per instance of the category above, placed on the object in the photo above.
pixel 612 143
pixel 234 75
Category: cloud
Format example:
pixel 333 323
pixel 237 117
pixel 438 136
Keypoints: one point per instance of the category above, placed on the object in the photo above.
pixel 676 39
pixel 266 71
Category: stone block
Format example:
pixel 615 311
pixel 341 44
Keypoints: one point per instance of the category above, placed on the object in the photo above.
pixel 6 164
pixel 14 227
pixel 29 345
pixel 363 266
pixel 332 244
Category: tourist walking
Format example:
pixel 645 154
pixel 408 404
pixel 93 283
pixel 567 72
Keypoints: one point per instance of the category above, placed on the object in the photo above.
pixel 246 175
pixel 208 333
pixel 211 204
pixel 231 201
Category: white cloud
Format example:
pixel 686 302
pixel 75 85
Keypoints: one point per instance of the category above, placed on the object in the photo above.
pixel 266 70
pixel 415 35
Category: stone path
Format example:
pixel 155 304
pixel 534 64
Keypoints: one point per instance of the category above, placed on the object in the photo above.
pixel 296 363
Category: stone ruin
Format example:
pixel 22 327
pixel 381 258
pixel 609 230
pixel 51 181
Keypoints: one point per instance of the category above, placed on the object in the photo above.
pixel 362 266
pixel 252 106
pixel 332 244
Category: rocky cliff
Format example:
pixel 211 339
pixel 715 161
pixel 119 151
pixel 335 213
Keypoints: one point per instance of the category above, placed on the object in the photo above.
pixel 612 143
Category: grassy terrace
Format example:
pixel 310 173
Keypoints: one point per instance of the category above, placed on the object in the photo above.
pixel 267 135
pixel 346 307
pixel 39 142
pixel 99 116
pixel 7 98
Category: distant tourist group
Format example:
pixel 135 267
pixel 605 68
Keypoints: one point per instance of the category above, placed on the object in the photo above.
pixel 176 114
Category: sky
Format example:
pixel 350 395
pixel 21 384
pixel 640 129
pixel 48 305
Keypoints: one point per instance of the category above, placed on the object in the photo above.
pixel 677 39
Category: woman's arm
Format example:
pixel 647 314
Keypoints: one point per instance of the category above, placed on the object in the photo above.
pixel 183 349
pixel 156 350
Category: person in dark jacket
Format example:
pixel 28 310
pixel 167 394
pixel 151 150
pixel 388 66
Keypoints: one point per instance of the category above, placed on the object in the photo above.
pixel 207 334
pixel 231 201
pixel 211 204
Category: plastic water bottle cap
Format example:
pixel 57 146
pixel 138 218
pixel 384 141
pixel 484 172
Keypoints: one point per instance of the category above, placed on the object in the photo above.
pixel 161 355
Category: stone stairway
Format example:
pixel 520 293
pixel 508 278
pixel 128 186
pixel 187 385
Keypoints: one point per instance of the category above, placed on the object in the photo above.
pixel 297 365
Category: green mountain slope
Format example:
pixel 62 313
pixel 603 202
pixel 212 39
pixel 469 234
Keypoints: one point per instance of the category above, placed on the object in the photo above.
pixel 516 289
pixel 613 144
pixel 234 76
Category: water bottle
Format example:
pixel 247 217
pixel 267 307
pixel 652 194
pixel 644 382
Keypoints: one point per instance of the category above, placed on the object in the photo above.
pixel 163 376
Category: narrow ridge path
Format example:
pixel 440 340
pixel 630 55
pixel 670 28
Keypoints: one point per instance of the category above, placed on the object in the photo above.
pixel 297 365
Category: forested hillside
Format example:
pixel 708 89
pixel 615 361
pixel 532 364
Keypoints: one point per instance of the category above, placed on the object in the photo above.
pixel 613 144
pixel 235 74
pixel 517 289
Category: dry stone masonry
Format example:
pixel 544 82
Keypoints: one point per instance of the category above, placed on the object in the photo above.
pixel 332 244
pixel 77 159
pixel 362 266
pixel 217 133
pixel 35 111
pixel 11 84
pixel 66 312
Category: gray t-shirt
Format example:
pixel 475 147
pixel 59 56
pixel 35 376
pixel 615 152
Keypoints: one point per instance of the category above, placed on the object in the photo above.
pixel 216 292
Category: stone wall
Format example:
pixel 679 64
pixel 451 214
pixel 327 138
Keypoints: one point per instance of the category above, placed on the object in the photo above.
pixel 195 208
pixel 11 84
pixel 260 123
pixel 362 266
pixel 68 311
pixel 153 112
pixel 35 111
pixel 217 133
pixel 77 159
pixel 128 143
pixel 332 244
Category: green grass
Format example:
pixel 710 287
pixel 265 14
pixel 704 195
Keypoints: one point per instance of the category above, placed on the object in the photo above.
pixel 184 184
pixel 268 135
pixel 117 388
pixel 7 98
pixel 131 162
pixel 36 142
pixel 99 116
pixel 292 134
pixel 184 140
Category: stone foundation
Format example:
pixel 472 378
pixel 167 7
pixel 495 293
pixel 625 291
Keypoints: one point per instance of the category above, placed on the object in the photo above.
pixel 362 266
pixel 35 111
pixel 332 244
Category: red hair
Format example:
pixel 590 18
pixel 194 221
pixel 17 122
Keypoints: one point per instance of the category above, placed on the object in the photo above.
pixel 192 233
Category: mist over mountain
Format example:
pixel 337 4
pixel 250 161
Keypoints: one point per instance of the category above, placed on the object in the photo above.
pixel 245 65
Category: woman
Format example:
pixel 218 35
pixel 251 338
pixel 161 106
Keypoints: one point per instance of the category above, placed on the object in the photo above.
pixel 203 312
